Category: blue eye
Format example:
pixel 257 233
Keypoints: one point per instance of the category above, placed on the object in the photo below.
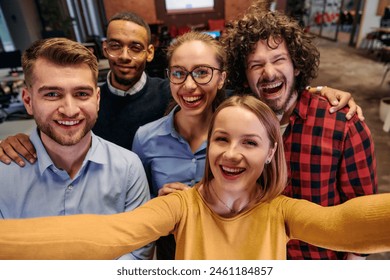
pixel 200 72
pixel 51 94
pixel 178 74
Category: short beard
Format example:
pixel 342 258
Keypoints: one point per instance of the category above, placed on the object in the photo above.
pixel 62 139
pixel 281 110
pixel 123 82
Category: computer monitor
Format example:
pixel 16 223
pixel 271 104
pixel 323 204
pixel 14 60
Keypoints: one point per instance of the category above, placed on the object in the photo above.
pixel 215 34
pixel 11 60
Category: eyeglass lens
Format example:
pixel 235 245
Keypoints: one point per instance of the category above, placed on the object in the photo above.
pixel 115 49
pixel 200 74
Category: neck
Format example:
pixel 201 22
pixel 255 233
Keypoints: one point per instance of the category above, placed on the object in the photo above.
pixel 121 85
pixel 230 204
pixel 193 128
pixel 291 103
pixel 68 158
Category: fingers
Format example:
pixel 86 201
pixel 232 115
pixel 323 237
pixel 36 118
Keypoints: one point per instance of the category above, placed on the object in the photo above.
pixel 3 157
pixel 343 98
pixel 339 99
pixel 165 191
pixel 15 147
pixel 352 109
pixel 333 97
pixel 359 112
pixel 172 187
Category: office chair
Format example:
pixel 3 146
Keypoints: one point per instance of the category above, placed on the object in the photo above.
pixel 5 100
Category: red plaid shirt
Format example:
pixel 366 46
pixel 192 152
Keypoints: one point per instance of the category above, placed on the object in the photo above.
pixel 330 160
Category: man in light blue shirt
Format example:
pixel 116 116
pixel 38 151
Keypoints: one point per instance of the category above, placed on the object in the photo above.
pixel 76 171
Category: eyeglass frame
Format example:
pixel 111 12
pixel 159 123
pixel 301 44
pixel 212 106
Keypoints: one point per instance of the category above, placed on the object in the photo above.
pixel 106 47
pixel 190 73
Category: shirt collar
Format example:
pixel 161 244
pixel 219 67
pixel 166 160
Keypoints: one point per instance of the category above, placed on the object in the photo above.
pixel 169 127
pixel 131 91
pixel 302 107
pixel 95 153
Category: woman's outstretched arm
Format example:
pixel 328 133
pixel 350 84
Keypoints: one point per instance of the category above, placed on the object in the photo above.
pixel 89 236
pixel 360 225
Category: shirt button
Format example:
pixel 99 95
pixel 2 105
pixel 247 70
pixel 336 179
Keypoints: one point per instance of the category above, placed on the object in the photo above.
pixel 194 160
pixel 70 187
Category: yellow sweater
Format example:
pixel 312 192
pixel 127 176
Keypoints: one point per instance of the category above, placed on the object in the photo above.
pixel 361 225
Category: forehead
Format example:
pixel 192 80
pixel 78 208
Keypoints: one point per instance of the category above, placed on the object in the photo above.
pixel 126 31
pixel 193 53
pixel 265 48
pixel 239 120
pixel 62 74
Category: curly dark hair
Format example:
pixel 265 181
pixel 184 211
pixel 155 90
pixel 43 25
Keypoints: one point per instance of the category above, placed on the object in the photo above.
pixel 257 24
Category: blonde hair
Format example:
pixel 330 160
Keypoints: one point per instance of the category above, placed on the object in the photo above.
pixel 273 179
pixel 60 51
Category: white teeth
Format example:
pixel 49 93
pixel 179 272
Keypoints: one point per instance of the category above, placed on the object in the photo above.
pixel 68 122
pixel 192 98
pixel 232 170
pixel 271 86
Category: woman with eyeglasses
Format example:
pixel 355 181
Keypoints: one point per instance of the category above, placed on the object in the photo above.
pixel 173 148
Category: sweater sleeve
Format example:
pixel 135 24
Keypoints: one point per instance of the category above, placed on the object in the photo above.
pixel 360 225
pixel 89 236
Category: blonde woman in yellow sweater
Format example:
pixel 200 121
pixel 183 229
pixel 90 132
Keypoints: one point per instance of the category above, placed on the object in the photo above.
pixel 236 211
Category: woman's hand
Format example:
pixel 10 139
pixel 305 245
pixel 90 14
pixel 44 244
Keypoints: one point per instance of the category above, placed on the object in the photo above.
pixel 172 187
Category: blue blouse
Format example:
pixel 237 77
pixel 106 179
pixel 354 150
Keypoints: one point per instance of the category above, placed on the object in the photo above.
pixel 167 157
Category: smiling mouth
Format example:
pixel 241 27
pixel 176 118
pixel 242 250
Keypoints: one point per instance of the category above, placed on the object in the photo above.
pixel 271 88
pixel 232 171
pixel 68 123
pixel 192 99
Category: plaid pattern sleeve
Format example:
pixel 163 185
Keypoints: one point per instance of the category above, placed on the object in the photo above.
pixel 330 160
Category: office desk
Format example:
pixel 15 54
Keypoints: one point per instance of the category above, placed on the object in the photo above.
pixel 5 77
pixel 384 30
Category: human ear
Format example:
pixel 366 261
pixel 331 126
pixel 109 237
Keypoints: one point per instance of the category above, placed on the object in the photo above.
pixel 271 152
pixel 27 101
pixel 222 79
pixel 150 53
pixel 105 49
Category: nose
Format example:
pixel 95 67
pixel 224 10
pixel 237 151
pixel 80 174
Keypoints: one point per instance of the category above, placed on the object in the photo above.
pixel 269 72
pixel 189 83
pixel 126 54
pixel 69 107
pixel 232 153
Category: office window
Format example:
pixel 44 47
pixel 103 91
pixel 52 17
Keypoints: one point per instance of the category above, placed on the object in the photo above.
pixel 6 43
pixel 188 6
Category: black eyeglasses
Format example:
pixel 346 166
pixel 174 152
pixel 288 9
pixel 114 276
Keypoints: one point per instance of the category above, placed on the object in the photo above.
pixel 202 74
pixel 115 49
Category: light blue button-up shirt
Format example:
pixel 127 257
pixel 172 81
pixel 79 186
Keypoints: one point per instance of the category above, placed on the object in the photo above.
pixel 167 157
pixel 110 180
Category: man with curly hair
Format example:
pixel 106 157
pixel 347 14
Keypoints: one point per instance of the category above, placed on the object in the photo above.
pixel 330 159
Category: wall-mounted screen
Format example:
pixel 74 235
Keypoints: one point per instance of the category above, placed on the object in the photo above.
pixel 188 6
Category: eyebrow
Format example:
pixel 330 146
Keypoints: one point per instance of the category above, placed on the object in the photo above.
pixel 257 60
pixel 54 88
pixel 244 136
pixel 121 43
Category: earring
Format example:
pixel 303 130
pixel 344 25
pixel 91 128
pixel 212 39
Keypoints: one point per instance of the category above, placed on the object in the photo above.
pixel 267 161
